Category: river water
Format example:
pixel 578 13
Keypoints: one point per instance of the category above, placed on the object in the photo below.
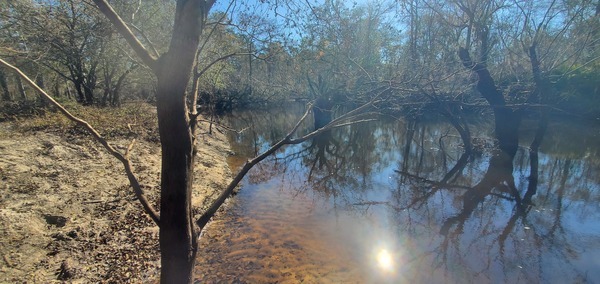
pixel 375 203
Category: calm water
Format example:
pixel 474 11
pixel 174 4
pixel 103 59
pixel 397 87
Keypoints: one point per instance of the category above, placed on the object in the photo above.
pixel 365 204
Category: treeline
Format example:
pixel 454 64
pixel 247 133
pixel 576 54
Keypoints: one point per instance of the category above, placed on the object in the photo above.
pixel 538 53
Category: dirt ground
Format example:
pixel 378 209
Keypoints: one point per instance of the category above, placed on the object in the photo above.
pixel 67 213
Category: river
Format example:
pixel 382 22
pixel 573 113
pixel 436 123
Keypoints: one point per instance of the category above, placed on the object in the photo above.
pixel 391 202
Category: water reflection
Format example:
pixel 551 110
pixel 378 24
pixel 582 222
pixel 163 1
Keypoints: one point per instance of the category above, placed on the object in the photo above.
pixel 385 260
pixel 403 201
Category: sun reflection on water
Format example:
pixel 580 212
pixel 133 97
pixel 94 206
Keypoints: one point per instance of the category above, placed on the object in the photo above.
pixel 385 261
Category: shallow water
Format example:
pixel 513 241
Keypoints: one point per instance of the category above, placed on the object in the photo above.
pixel 365 205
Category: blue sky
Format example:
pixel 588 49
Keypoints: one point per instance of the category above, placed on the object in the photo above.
pixel 268 6
pixel 278 11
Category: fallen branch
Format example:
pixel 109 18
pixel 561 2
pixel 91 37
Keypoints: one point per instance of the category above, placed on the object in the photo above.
pixel 123 158
pixel 101 201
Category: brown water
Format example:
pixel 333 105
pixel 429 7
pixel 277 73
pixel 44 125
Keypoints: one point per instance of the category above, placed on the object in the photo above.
pixel 364 205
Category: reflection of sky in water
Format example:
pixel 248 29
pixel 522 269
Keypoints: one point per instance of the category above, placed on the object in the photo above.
pixel 367 212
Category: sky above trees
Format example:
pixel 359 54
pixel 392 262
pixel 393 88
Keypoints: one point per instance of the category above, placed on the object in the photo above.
pixel 275 49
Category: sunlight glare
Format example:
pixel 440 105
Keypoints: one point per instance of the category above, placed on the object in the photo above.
pixel 385 260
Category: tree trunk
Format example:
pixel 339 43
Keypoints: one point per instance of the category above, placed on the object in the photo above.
pixel 105 96
pixel 4 84
pixel 538 95
pixel 178 234
pixel 79 89
pixel 115 98
pixel 322 112
pixel 411 126
pixel 57 88
pixel 88 94
pixel 506 120
pixel 249 83
pixel 68 91
pixel 507 123
pixel 39 80
pixel 21 88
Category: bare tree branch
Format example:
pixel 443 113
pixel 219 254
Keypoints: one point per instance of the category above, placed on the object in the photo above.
pixel 203 220
pixel 152 47
pixel 225 127
pixel 123 158
pixel 343 120
pixel 124 30
pixel 201 72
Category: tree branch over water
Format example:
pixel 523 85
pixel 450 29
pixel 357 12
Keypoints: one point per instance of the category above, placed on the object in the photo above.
pixel 352 117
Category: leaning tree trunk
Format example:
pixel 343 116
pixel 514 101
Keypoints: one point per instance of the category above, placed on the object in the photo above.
pixel 506 120
pixel 115 96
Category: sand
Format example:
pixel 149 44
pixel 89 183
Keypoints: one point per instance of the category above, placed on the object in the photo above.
pixel 67 212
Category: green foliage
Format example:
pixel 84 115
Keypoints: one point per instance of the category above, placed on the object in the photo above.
pixel 579 88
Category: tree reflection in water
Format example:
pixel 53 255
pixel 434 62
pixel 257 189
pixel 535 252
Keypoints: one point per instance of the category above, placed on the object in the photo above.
pixel 451 211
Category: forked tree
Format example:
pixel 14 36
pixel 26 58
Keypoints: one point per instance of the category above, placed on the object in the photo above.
pixel 178 235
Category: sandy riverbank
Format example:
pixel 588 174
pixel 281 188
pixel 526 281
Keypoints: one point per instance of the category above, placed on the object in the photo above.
pixel 68 213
